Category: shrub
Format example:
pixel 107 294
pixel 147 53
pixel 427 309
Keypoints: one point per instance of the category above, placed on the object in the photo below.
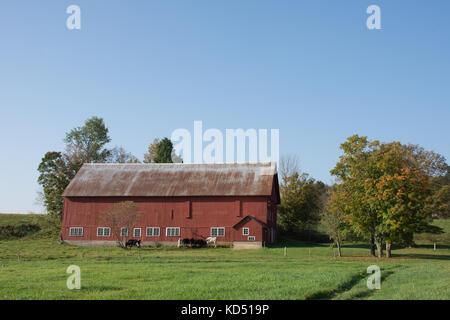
pixel 18 231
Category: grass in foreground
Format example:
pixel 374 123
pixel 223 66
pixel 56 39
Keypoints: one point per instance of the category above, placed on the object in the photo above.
pixel 35 268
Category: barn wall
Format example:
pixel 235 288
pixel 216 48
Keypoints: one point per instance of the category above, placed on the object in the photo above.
pixel 255 229
pixel 194 215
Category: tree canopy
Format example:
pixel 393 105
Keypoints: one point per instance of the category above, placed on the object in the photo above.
pixel 387 189
pixel 85 144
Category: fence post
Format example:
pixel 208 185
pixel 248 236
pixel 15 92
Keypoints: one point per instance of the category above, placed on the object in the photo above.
pixel 285 251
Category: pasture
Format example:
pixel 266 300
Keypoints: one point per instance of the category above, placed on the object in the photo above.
pixel 34 267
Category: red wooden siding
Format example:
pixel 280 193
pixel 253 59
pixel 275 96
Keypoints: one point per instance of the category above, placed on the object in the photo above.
pixel 194 215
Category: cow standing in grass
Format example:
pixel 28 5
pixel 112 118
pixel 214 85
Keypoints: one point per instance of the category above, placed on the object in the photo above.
pixel 132 242
pixel 212 240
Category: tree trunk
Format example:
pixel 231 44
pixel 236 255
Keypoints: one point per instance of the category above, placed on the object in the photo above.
pixel 338 243
pixel 372 245
pixel 379 244
pixel 388 249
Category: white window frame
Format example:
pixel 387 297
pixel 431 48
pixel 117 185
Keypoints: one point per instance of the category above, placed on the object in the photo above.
pixel 134 232
pixel 76 235
pixel 251 238
pixel 103 231
pixel 244 233
pixel 216 233
pixel 122 232
pixel 170 234
pixel 153 231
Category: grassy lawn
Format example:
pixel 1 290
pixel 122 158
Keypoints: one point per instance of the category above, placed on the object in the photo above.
pixel 35 268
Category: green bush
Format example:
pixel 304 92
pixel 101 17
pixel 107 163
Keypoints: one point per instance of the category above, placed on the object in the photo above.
pixel 18 231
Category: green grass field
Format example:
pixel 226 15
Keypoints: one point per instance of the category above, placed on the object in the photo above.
pixel 35 268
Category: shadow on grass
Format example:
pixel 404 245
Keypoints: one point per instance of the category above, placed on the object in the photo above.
pixel 431 246
pixel 347 286
pixel 422 256
pixel 292 243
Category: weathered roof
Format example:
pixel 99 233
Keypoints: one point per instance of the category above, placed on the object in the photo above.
pixel 174 179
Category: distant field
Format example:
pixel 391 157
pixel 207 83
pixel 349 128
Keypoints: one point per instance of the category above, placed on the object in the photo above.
pixel 32 268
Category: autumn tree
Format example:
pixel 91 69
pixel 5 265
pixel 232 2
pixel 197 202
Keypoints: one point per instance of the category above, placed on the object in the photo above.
pixel 150 155
pixel 386 189
pixel 334 219
pixel 121 217
pixel 355 165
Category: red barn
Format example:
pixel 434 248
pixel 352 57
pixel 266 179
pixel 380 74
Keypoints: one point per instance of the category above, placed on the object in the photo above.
pixel 237 203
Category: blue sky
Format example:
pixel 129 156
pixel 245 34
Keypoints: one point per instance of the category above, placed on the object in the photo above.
pixel 311 69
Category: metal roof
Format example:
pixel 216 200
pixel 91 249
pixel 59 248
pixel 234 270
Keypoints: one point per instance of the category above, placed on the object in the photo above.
pixel 173 179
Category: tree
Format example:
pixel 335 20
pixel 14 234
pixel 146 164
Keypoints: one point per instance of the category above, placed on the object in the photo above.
pixel 83 145
pixel 289 164
pixel 120 215
pixel 300 202
pixel 149 157
pixel 386 189
pixel 163 151
pixel 120 155
pixel 441 195
pixel 54 178
pixel 353 168
pixel 334 219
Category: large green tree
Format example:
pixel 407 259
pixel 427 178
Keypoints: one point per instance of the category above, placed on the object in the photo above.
pixel 84 144
pixel 55 175
pixel 300 202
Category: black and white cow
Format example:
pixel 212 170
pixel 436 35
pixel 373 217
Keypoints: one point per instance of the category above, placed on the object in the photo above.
pixel 133 242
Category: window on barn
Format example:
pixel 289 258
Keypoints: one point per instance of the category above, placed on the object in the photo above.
pixel 124 232
pixel 251 238
pixel 218 232
pixel 103 232
pixel 173 232
pixel 245 231
pixel 137 232
pixel 153 232
pixel 76 231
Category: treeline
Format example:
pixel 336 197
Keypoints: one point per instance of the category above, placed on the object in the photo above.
pixel 384 193
pixel 86 144
pixel 18 231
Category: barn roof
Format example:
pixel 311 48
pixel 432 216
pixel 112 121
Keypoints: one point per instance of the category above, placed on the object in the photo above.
pixel 174 179
pixel 248 218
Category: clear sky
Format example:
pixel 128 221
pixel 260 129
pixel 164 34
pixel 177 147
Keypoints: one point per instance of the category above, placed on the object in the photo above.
pixel 311 69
